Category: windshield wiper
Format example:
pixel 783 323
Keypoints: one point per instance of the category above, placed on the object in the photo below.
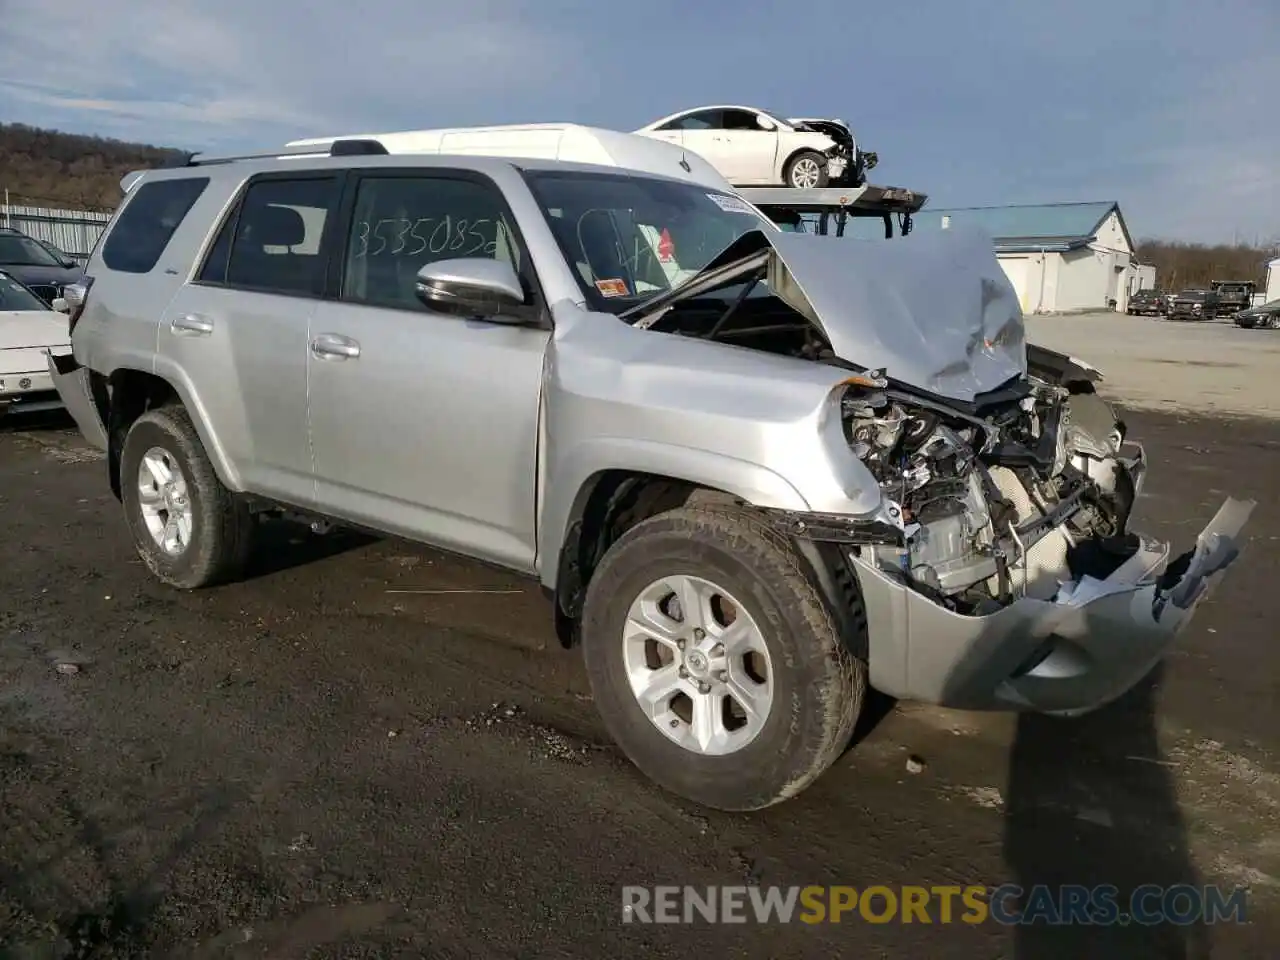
pixel 733 307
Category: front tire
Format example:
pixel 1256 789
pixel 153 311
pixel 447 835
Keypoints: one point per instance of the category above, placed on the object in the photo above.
pixel 714 661
pixel 189 530
pixel 807 170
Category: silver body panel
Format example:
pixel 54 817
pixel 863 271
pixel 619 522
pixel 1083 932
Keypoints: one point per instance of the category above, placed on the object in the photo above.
pixel 479 437
pixel 934 310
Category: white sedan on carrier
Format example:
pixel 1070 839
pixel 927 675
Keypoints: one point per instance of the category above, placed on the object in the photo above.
pixel 28 330
pixel 754 148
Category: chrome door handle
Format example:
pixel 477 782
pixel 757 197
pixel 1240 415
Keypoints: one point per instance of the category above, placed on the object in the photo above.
pixel 191 325
pixel 333 346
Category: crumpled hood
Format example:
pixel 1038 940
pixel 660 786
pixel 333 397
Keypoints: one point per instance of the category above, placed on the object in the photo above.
pixel 935 310
pixel 21 329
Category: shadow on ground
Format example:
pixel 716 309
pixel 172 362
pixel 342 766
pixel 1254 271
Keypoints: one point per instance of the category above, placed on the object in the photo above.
pixel 1092 802
pixel 281 545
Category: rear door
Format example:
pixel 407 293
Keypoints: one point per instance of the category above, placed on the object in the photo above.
pixel 672 132
pixel 424 424
pixel 703 133
pixel 238 333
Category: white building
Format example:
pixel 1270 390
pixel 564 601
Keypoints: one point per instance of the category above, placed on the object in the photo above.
pixel 1059 257
pixel 1142 277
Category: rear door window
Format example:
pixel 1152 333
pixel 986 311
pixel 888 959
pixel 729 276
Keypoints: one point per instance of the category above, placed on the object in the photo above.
pixel 274 242
pixel 148 221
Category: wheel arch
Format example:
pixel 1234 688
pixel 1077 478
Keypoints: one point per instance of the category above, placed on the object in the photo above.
pixel 606 505
pixel 791 156
pixel 606 487
pixel 132 393
pixel 611 492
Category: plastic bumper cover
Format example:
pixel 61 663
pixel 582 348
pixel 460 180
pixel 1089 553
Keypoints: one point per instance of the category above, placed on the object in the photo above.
pixel 1087 646
pixel 75 388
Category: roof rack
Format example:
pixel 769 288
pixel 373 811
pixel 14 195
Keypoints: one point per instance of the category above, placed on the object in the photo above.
pixel 868 200
pixel 350 147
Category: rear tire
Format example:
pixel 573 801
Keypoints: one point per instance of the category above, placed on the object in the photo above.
pixel 191 532
pixel 813 684
pixel 807 170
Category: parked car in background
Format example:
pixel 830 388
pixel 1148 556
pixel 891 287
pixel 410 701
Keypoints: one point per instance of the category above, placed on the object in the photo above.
pixel 754 148
pixel 1194 305
pixel 1265 316
pixel 29 329
pixel 1148 303
pixel 1233 295
pixel 33 263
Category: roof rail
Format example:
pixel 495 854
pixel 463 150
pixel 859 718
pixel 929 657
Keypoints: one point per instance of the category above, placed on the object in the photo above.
pixel 350 147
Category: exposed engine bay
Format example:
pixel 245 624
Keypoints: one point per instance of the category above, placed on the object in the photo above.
pixel 1025 488
pixel 1011 499
pixel 856 162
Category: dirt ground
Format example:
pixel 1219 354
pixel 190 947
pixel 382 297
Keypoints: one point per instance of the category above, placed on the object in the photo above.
pixel 1208 366
pixel 370 750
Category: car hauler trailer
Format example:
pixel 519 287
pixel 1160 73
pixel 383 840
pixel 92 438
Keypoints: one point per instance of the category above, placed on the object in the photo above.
pixel 789 207
pixel 785 206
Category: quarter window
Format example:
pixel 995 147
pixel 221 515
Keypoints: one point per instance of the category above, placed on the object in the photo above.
pixel 277 246
pixel 400 224
pixel 148 221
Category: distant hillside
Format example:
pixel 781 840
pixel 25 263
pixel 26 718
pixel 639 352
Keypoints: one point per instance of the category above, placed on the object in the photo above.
pixel 1180 265
pixel 52 169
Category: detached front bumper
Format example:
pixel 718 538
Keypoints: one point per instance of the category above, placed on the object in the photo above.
pixel 1089 645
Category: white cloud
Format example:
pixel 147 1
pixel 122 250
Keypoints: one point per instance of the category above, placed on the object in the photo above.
pixel 190 72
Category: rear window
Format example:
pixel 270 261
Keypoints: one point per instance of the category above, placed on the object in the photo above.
pixel 148 222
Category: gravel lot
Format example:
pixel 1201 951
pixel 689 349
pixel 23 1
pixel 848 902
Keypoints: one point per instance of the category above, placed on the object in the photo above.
pixel 330 760
pixel 1210 367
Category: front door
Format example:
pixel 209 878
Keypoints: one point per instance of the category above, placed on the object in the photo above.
pixel 748 153
pixel 424 424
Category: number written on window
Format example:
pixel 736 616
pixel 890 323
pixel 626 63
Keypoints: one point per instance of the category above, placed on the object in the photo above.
pixel 405 237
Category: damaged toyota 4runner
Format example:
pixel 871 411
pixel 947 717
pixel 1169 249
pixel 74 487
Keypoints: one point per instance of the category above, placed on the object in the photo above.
pixel 755 472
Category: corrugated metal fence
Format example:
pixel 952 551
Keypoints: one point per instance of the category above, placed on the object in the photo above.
pixel 74 232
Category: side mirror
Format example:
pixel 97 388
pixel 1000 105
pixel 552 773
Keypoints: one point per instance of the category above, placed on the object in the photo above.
pixel 764 123
pixel 60 305
pixel 474 287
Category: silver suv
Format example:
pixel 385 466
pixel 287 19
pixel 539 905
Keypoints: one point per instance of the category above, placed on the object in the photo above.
pixel 754 471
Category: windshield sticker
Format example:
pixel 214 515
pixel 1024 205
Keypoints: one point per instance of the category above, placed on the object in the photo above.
pixel 730 204
pixel 612 288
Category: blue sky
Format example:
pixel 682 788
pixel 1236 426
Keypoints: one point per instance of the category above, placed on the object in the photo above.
pixel 1168 106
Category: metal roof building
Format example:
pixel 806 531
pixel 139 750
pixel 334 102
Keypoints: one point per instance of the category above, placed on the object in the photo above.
pixel 1060 257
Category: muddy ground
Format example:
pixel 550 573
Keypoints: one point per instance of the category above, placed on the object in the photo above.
pixel 342 757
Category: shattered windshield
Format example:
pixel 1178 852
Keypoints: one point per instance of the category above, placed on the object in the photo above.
pixel 630 238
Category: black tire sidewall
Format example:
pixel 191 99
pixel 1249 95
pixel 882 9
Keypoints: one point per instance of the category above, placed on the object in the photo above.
pixel 783 753
pixel 158 429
